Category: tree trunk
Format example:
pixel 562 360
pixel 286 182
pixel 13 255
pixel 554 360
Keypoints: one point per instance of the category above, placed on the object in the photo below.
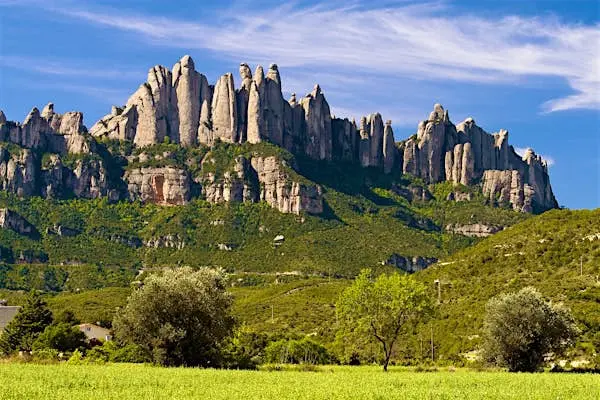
pixel 387 361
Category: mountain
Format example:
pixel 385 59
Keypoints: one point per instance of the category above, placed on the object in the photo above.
pixel 160 148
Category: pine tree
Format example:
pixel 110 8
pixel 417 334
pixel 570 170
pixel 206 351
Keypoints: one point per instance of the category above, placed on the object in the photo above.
pixel 26 326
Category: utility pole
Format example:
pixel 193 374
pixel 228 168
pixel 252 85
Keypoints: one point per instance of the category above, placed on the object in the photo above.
pixel 432 353
pixel 581 266
pixel 272 315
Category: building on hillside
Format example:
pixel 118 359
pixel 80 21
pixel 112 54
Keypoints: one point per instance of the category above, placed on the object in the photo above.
pixel 7 313
pixel 95 332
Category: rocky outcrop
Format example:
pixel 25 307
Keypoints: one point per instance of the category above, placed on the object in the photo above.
pixel 412 192
pixel 239 184
pixel 166 185
pixel 262 179
pixel 18 171
pixel 181 106
pixel 468 155
pixel 224 112
pixel 283 193
pixel 474 230
pixel 167 241
pixel 410 264
pixel 14 222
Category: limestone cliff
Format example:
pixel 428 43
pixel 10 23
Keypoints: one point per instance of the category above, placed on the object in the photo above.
pixel 58 157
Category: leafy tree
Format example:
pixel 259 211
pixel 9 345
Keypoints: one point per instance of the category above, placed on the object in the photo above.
pixel 381 308
pixel 61 336
pixel 521 328
pixel 179 317
pixel 31 320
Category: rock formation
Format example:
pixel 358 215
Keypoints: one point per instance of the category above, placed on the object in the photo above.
pixel 181 106
pixel 474 230
pixel 13 221
pixel 166 186
pixel 410 264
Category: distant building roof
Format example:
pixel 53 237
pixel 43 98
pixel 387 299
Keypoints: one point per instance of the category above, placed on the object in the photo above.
pixel 93 331
pixel 7 313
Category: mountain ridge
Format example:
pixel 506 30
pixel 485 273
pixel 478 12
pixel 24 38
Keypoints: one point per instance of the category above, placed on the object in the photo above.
pixel 59 158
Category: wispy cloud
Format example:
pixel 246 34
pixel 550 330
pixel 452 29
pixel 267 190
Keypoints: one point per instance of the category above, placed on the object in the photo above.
pixel 66 69
pixel 522 150
pixel 416 41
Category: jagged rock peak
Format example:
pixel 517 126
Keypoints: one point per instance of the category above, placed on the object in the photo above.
pixel 48 111
pixel 259 76
pixel 2 117
pixel 245 73
pixel 293 101
pixel 187 62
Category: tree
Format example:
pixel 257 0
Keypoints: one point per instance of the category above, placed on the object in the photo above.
pixel 179 317
pixel 521 328
pixel 31 320
pixel 380 309
pixel 61 336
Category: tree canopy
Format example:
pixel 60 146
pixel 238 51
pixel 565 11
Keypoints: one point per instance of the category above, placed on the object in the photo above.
pixel 179 317
pixel 522 328
pixel 381 308
pixel 22 331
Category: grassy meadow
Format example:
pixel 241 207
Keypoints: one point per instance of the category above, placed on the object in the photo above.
pixel 130 381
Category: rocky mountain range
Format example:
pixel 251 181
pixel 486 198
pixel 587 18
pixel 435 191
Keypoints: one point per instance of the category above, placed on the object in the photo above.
pixel 160 147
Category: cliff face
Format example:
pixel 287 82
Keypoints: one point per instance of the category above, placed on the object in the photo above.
pixel 179 106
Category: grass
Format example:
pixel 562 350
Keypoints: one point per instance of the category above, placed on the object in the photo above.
pixel 128 381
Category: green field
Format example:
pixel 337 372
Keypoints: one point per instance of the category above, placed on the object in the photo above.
pixel 129 381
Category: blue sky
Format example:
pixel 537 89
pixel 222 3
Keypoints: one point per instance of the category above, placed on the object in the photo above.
pixel 531 67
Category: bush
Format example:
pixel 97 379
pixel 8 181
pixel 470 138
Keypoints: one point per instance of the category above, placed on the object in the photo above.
pixel 522 328
pixel 245 350
pixel 111 352
pixel 179 317
pixel 303 351
pixel 61 337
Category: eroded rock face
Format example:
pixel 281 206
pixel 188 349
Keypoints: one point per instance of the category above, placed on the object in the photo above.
pixel 157 114
pixel 468 155
pixel 224 111
pixel 168 241
pixel 15 222
pixel 166 185
pixel 182 107
pixel 240 184
pixel 474 230
pixel 318 139
pixel 278 190
pixel 262 179
pixel 187 88
pixel 410 264
pixel 18 172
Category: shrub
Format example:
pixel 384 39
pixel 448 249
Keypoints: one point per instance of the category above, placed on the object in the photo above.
pixel 179 317
pixel 61 337
pixel 303 351
pixel 522 328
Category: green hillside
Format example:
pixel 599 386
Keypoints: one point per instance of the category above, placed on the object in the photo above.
pixel 556 252
pixel 365 221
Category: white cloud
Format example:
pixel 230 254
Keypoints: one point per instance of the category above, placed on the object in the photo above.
pixel 66 69
pixel 522 150
pixel 416 41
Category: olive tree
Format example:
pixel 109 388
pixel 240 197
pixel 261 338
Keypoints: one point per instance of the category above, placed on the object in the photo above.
pixel 379 309
pixel 179 317
pixel 521 328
